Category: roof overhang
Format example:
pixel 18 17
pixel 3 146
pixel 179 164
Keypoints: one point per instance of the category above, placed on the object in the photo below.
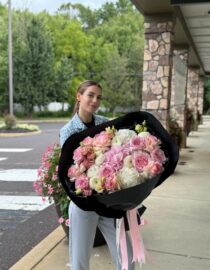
pixel 192 27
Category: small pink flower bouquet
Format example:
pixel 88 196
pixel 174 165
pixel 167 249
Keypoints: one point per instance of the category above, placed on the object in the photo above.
pixel 113 160
pixel 48 184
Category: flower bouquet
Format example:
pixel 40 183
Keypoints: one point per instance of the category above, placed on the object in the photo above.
pixel 112 170
pixel 113 167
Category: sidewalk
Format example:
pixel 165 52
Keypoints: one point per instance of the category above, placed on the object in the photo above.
pixel 177 236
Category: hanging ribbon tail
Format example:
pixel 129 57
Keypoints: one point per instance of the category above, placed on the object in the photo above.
pixel 121 243
pixel 136 238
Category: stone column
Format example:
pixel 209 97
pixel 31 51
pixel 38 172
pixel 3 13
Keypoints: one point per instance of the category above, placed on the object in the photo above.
pixel 192 92
pixel 179 90
pixel 159 36
pixel 200 97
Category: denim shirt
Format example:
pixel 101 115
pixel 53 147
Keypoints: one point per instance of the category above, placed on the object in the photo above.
pixel 75 125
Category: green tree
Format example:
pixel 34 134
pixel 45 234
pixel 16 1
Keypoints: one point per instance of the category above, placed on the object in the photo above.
pixel 63 74
pixel 33 68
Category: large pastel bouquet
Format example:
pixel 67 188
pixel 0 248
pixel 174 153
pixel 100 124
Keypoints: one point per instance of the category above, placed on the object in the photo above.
pixel 116 159
pixel 113 167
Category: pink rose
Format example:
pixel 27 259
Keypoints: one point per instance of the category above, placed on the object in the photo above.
pixel 154 168
pixel 151 142
pixel 87 163
pixel 87 192
pixel 77 156
pixel 106 171
pixel 158 155
pixel 87 141
pixel 137 143
pixel 111 184
pixel 82 182
pixel 91 155
pixel 140 160
pixel 102 140
pixel 73 172
pixel 85 150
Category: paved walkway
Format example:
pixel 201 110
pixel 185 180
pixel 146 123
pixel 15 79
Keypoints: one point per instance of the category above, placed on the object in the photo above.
pixel 177 236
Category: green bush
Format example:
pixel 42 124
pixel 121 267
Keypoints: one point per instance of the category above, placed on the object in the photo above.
pixel 10 121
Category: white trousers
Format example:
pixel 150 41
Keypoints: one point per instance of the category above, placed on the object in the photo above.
pixel 82 231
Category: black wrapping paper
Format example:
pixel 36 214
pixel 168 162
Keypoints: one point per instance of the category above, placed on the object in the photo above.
pixel 117 203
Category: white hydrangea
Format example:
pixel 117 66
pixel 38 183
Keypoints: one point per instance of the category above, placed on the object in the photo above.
pixel 127 162
pixel 123 136
pixel 100 159
pixel 93 171
pixel 128 177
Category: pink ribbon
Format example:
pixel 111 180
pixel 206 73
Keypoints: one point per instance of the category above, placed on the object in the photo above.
pixel 136 239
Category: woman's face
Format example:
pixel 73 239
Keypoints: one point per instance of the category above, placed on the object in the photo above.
pixel 89 101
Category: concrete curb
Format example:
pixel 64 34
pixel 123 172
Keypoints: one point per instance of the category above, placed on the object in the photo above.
pixel 20 134
pixel 39 252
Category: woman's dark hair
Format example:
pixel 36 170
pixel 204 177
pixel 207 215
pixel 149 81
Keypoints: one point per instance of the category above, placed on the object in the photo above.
pixel 81 89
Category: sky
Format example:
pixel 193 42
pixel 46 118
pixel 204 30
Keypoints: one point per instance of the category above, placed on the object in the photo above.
pixel 52 5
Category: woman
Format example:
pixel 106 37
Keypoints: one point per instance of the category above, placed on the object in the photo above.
pixel 83 224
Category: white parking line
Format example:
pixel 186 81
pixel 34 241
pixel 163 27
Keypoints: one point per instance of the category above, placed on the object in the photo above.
pixel 15 150
pixel 27 203
pixel 16 175
pixel 3 158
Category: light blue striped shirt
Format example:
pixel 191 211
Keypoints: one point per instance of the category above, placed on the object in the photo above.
pixel 76 125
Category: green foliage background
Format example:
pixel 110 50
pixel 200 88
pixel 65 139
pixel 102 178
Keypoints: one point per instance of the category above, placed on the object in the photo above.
pixel 52 54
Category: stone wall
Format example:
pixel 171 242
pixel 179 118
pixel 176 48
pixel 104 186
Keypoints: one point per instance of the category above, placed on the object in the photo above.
pixel 157 67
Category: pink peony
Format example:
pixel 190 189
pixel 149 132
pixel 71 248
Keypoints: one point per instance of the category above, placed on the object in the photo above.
pixel 140 160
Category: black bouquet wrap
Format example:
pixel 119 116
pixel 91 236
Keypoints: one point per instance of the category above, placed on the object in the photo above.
pixel 117 203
